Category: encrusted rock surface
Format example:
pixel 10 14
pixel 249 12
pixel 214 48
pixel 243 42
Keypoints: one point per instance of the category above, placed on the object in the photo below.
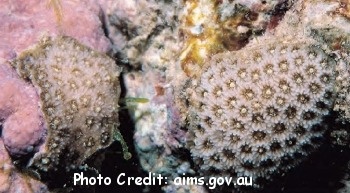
pixel 12 180
pixel 212 27
pixel 159 141
pixel 26 22
pixel 23 127
pixel 144 33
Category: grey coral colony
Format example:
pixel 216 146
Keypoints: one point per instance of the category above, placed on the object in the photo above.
pixel 79 92
pixel 257 111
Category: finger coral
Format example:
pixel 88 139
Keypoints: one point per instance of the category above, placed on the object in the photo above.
pixel 257 111
pixel 79 92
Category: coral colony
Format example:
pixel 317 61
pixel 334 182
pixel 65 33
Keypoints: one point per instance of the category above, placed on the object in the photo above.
pixel 79 92
pixel 257 111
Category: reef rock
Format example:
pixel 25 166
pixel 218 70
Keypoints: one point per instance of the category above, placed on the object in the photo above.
pixel 26 22
pixel 212 27
pixel 23 128
pixel 12 180
pixel 144 32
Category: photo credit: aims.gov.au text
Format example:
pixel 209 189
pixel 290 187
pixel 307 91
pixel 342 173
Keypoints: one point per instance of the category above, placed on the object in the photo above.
pixel 157 179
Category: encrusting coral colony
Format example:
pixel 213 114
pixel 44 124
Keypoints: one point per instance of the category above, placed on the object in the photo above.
pixel 235 88
pixel 79 92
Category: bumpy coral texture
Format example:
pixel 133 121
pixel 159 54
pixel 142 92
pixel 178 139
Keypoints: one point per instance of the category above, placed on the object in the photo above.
pixel 79 91
pixel 258 111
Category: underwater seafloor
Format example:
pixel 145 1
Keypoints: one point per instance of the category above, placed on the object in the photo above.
pixel 185 89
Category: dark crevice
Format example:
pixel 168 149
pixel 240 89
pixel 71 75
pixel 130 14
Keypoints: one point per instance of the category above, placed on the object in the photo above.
pixel 103 19
pixel 114 164
pixel 155 32
pixel 1 122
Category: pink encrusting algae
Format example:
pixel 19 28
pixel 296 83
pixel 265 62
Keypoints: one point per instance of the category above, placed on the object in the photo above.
pixel 23 126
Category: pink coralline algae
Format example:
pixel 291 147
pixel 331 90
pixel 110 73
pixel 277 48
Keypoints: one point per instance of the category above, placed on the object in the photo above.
pixel 24 22
pixel 23 128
